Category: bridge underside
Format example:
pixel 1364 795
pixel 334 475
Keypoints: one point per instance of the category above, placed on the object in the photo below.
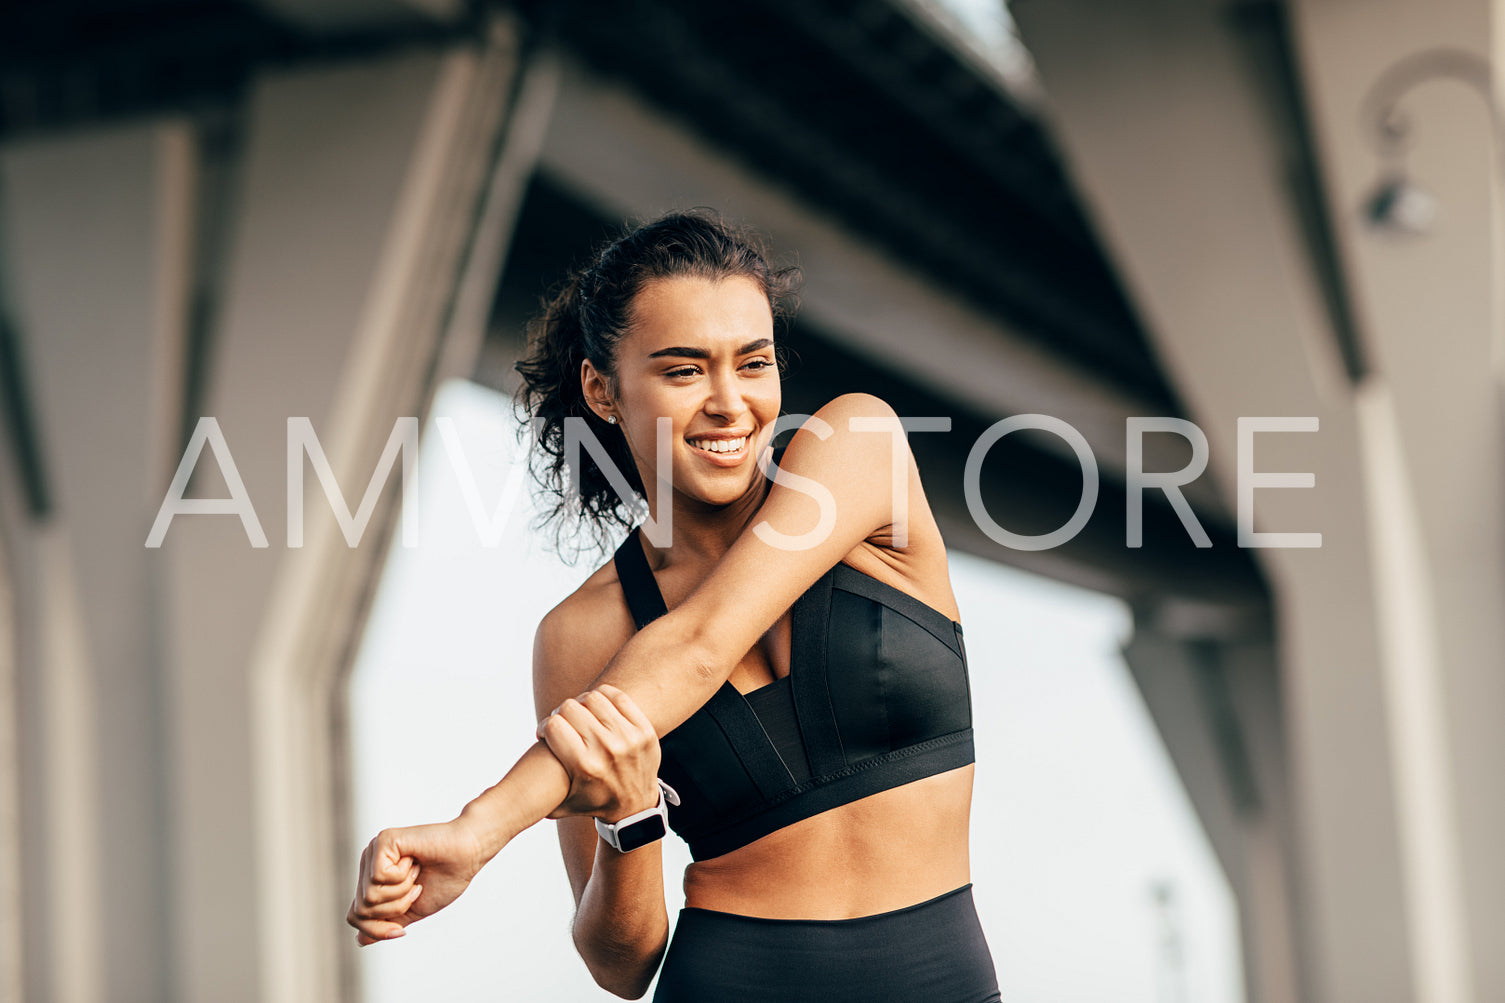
pixel 256 211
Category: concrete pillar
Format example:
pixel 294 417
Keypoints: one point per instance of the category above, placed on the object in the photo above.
pixel 96 254
pixel 364 189
pixel 1430 312
pixel 1215 702
pixel 181 706
pixel 1389 677
pixel 12 946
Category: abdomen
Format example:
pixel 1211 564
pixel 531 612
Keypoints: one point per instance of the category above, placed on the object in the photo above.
pixel 886 851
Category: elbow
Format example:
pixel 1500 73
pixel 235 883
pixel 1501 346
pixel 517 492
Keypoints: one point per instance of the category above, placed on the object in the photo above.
pixel 627 978
pixel 702 659
pixel 697 649
pixel 627 989
pixel 705 668
pixel 624 970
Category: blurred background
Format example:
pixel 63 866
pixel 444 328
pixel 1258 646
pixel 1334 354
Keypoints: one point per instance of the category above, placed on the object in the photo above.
pixel 1208 770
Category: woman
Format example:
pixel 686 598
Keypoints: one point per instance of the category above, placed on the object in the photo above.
pixel 794 643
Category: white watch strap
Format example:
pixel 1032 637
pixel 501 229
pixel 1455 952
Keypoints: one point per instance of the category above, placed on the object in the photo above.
pixel 608 830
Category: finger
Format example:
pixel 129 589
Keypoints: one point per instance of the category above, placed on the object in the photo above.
pixel 363 872
pixel 627 737
pixel 369 931
pixel 380 894
pixel 605 711
pixel 555 718
pixel 396 907
pixel 389 865
pixel 365 882
pixel 627 707
pixel 584 722
pixel 563 740
pixel 375 931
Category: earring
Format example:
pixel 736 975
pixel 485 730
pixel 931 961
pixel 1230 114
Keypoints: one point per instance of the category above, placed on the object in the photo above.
pixel 611 419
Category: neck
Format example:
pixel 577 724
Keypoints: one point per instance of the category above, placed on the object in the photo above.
pixel 703 533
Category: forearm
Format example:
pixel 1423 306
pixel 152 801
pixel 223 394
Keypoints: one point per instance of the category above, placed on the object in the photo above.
pixel 533 788
pixel 668 670
pixel 666 673
pixel 621 925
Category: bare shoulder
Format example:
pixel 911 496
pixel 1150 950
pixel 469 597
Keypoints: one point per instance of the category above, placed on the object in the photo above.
pixel 839 440
pixel 858 442
pixel 912 559
pixel 839 412
pixel 576 638
pixel 858 404
pixel 852 432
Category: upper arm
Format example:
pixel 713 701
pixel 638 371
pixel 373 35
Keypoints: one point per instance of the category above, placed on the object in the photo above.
pixel 565 660
pixel 841 493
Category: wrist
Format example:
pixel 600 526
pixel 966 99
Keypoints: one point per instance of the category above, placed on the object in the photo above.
pixel 530 790
pixel 485 828
pixel 640 828
pixel 626 809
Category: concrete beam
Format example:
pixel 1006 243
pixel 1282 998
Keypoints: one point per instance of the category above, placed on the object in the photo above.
pixel 628 159
pixel 364 15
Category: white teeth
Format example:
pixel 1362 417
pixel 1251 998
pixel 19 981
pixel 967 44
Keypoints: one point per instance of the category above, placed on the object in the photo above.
pixel 721 445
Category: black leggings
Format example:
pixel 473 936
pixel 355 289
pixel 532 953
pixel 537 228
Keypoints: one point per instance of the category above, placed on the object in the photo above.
pixel 933 952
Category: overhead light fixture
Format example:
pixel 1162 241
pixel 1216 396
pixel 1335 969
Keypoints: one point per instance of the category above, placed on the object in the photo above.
pixel 1400 205
pixel 1397 204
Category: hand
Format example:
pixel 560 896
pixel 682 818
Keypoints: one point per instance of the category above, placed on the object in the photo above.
pixel 389 894
pixel 610 749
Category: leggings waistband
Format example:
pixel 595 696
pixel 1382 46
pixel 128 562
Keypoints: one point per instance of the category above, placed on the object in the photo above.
pixel 930 952
pixel 877 917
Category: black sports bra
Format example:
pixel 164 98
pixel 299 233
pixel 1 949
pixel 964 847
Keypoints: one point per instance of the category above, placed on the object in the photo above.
pixel 876 697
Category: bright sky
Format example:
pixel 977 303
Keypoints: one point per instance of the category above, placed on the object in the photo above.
pixel 1077 812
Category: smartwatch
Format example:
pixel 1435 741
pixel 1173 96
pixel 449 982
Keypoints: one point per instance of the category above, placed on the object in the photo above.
pixel 626 835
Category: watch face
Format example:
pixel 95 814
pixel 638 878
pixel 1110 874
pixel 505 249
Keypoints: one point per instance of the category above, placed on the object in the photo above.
pixel 641 833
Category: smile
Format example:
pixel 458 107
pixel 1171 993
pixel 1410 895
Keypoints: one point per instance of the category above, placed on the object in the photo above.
pixel 720 445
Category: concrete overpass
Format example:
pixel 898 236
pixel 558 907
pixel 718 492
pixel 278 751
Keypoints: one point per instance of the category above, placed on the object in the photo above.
pixel 303 208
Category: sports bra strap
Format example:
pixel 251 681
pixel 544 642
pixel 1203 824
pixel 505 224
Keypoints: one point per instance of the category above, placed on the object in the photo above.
pixel 644 600
pixel 748 739
pixel 811 616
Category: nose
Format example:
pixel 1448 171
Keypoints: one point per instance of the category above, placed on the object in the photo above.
pixel 725 399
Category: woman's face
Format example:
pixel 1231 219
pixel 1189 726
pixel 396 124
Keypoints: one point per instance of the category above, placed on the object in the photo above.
pixel 700 353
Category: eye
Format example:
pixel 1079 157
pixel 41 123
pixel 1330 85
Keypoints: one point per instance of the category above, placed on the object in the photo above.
pixel 757 364
pixel 682 372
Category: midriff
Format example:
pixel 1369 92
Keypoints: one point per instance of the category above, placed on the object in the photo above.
pixel 883 852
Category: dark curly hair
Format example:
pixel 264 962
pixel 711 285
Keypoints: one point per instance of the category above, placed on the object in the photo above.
pixel 586 318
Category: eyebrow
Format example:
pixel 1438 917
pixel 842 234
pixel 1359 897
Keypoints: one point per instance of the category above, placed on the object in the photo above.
pixel 700 353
